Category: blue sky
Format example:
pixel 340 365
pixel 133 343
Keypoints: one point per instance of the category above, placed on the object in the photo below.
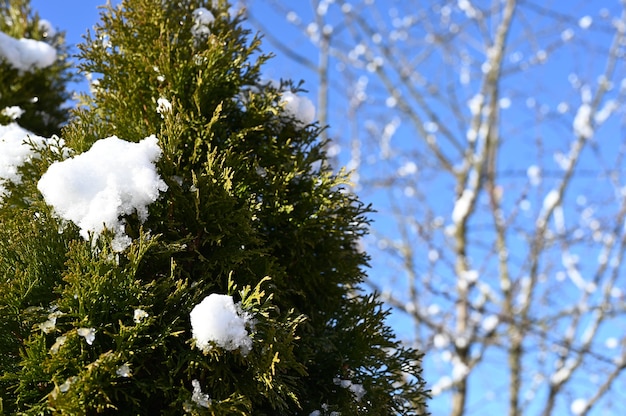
pixel 72 16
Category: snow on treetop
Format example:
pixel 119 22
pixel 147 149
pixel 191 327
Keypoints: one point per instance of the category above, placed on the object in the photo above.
pixel 217 319
pixel 14 152
pixel 26 54
pixel 96 188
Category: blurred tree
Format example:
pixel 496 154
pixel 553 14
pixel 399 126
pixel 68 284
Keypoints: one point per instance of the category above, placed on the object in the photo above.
pixel 100 318
pixel 34 87
pixel 489 136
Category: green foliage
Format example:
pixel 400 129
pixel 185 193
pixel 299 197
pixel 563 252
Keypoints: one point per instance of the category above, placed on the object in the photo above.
pixel 41 93
pixel 250 211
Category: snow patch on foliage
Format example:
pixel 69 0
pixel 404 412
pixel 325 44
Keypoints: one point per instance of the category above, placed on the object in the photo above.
pixel 96 188
pixel 357 389
pixel 217 320
pixel 139 315
pixel 163 106
pixel 50 324
pixel 202 19
pixel 46 28
pixel 58 343
pixel 14 152
pixel 88 333
pixel 124 371
pixel 300 108
pixel 13 112
pixel 199 398
pixel 26 54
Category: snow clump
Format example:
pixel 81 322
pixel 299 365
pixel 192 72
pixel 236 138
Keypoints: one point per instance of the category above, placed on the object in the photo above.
pixel 202 19
pixel 462 206
pixel 218 320
pixel 26 54
pixel 46 28
pixel 300 108
pixel 88 333
pixel 139 315
pixel 163 106
pixel 357 389
pixel 96 188
pixel 14 152
pixel 124 371
pixel 201 399
pixel 13 112
pixel 578 406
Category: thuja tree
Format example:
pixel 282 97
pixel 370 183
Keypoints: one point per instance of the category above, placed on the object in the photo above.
pixel 34 70
pixel 186 249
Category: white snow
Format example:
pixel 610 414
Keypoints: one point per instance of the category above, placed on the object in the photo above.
pixel 585 22
pixel 201 399
pixel 550 200
pixel 26 54
pixel 467 278
pixel 534 175
pixel 459 370
pixel 433 309
pixel 563 373
pixel 163 106
pixel 605 112
pixel 96 188
pixel 444 383
pixel 14 152
pixel 611 343
pixel 139 315
pixel 564 161
pixel 562 107
pixel 441 341
pixel 462 206
pixel 57 344
pixel 409 168
pixel 475 103
pixel 202 16
pixel 467 7
pixel 300 108
pixel 14 112
pixel 567 35
pixel 123 371
pixel 50 324
pixel 88 333
pixel 490 323
pixel 570 262
pixel 357 389
pixel 46 28
pixel 218 320
pixel 582 122
pixel 578 406
pixel 63 388
pixel 202 19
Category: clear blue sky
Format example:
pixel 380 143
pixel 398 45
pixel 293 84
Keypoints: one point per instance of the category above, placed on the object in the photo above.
pixel 72 16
